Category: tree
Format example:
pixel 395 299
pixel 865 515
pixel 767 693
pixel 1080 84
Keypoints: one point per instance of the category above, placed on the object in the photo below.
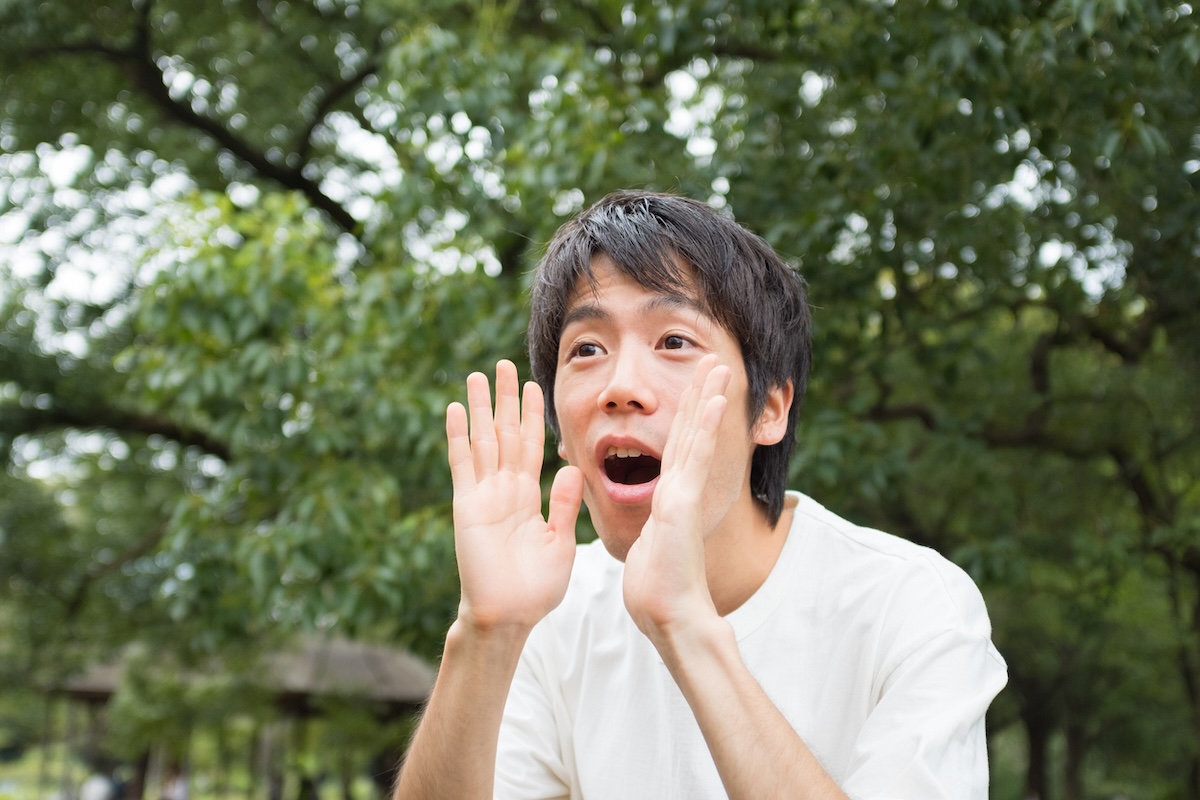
pixel 272 238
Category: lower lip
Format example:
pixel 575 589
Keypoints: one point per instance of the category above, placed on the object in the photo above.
pixel 630 494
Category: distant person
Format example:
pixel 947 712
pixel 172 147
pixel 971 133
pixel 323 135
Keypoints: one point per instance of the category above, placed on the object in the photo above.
pixel 98 785
pixel 724 637
pixel 175 785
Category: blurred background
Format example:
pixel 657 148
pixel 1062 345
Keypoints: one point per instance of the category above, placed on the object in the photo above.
pixel 249 250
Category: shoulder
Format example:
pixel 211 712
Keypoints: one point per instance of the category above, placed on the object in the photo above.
pixel 902 599
pixel 880 568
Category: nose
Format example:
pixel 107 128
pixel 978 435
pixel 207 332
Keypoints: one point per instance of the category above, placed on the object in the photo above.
pixel 628 385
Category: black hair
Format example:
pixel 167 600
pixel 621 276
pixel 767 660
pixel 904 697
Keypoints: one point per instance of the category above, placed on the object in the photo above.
pixel 674 245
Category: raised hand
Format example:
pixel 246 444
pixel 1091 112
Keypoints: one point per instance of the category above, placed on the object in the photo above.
pixel 665 580
pixel 513 563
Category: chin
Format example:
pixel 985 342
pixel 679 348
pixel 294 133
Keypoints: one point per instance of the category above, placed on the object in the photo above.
pixel 618 548
pixel 618 537
pixel 618 527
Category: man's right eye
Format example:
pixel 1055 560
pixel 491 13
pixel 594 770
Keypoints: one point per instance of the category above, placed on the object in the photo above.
pixel 586 350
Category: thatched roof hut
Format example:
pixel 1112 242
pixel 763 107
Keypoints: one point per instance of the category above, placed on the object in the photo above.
pixel 310 669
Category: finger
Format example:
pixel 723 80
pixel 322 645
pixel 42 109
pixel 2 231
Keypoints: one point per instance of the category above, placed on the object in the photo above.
pixel 508 415
pixel 675 434
pixel 676 445
pixel 682 427
pixel 701 437
pixel 694 451
pixel 533 429
pixel 693 466
pixel 716 383
pixel 458 445
pixel 483 431
pixel 566 495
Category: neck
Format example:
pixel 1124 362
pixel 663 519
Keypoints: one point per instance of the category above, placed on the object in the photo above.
pixel 739 558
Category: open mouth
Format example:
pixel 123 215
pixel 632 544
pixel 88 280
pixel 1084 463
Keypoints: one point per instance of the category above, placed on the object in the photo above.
pixel 629 467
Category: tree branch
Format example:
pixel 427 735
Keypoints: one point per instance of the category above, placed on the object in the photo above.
pixel 1130 351
pixel 329 99
pixel 1134 477
pixel 97 571
pixel 120 422
pixel 138 61
pixel 149 78
pixel 880 411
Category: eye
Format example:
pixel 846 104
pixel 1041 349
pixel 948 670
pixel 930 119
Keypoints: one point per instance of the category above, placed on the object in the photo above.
pixel 585 350
pixel 674 342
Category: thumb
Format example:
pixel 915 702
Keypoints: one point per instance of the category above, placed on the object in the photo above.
pixel 566 495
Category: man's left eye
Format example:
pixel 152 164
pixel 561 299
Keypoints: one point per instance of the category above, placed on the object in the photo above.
pixel 674 342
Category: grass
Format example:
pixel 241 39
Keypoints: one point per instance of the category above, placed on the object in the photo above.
pixel 59 775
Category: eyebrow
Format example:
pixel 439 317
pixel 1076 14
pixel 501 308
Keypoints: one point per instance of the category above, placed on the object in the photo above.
pixel 660 302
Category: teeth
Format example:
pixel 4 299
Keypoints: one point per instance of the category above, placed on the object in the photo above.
pixel 623 452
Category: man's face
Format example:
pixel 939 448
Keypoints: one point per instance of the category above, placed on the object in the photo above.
pixel 625 358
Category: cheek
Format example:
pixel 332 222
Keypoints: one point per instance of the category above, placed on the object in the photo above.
pixel 572 400
pixel 569 426
pixel 726 480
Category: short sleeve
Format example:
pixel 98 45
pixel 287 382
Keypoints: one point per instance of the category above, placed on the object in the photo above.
pixel 925 738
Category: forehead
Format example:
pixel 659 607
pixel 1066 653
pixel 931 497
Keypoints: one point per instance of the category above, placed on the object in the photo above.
pixel 668 285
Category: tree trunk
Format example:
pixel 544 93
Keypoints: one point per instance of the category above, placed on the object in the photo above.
pixel 220 780
pixel 1077 745
pixel 1037 730
pixel 346 773
pixel 1193 679
pixel 66 779
pixel 136 788
pixel 1188 619
pixel 255 752
pixel 43 781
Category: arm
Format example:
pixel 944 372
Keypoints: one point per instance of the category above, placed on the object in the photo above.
pixel 513 566
pixel 756 751
pixel 453 753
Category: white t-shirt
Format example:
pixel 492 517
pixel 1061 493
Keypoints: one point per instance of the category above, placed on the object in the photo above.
pixel 877 651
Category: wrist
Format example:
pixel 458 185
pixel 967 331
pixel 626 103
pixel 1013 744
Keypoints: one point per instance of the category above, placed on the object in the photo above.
pixel 694 643
pixel 494 651
pixel 496 633
pixel 497 617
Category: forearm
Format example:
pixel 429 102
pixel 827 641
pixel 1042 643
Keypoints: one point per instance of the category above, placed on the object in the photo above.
pixel 756 750
pixel 453 754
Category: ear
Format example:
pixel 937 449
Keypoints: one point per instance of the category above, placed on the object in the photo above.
pixel 772 421
pixel 562 450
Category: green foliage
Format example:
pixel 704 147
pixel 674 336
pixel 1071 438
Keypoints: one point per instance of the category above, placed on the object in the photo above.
pixel 327 387
pixel 253 249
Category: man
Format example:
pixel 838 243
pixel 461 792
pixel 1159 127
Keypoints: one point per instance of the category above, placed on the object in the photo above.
pixel 724 637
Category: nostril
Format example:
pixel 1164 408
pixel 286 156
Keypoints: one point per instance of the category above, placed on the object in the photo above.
pixel 625 390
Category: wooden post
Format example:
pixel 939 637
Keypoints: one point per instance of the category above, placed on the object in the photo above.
pixel 47 741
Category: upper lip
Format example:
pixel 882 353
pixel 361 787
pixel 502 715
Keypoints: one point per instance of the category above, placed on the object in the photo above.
pixel 613 442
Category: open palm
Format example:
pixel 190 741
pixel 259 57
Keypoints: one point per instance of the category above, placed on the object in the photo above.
pixel 513 563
